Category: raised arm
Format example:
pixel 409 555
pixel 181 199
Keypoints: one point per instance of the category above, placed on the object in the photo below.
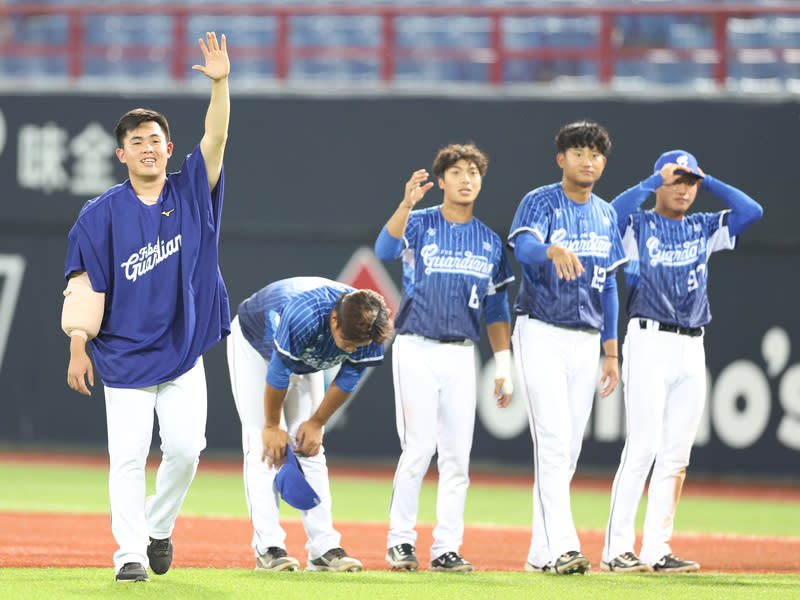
pixel 217 67
pixel 631 199
pixel 744 210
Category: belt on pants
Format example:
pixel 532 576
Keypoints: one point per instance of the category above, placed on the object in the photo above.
pixel 651 324
pixel 590 330
pixel 457 342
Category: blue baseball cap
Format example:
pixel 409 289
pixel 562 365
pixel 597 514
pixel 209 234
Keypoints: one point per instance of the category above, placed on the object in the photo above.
pixel 292 484
pixel 680 157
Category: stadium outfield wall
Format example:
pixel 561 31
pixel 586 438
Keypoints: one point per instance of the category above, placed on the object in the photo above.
pixel 310 180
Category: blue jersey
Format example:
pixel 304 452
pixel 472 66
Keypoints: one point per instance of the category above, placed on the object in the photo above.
pixel 166 302
pixel 668 270
pixel 450 272
pixel 289 320
pixel 590 231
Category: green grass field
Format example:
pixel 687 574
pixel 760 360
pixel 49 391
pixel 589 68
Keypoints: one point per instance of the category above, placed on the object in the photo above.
pixel 69 488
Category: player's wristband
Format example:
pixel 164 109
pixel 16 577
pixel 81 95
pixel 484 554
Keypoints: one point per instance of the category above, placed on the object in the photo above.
pixel 502 369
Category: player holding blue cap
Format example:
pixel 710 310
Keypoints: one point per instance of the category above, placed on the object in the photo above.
pixel 664 370
pixel 455 271
pixel 566 239
pixel 144 286
pixel 286 334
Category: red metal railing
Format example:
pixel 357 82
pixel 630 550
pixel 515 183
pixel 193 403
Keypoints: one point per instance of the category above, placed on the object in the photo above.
pixel 388 52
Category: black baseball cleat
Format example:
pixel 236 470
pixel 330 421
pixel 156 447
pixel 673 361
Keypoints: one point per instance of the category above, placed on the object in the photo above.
pixel 132 571
pixel 451 561
pixel 159 553
pixel 276 559
pixel 402 558
pixel 335 559
pixel 669 563
pixel 532 568
pixel 571 562
pixel 627 562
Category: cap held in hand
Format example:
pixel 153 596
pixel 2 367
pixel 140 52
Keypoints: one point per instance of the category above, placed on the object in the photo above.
pixel 292 484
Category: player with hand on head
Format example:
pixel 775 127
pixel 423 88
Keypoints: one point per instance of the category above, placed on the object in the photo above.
pixel 144 286
pixel 454 270
pixel 664 370
pixel 282 338
pixel 566 239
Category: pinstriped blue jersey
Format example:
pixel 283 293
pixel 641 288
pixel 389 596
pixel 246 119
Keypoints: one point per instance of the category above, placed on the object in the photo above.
pixel 590 231
pixel 667 274
pixel 290 316
pixel 449 269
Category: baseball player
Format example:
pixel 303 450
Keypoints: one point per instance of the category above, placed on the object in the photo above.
pixel 454 270
pixel 664 371
pixel 286 334
pixel 566 240
pixel 144 286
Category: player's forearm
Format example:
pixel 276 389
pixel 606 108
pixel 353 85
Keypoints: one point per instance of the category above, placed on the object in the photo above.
pixel 334 398
pixel 499 334
pixel 388 247
pixel 273 405
pixel 529 250
pixel 77 344
pixel 631 199
pixel 396 225
pixel 610 349
pixel 744 210
pixel 219 113
pixel 216 129
pixel 610 301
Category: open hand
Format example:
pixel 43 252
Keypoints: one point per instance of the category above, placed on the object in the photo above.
pixel 568 265
pixel 216 56
pixel 416 188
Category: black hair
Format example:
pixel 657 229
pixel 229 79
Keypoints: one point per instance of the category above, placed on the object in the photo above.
pixel 133 118
pixel 584 133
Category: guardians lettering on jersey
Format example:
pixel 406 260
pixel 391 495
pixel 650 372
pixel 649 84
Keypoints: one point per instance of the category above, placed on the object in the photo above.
pixel 667 272
pixel 443 261
pixel 594 245
pixel 687 252
pixel 146 259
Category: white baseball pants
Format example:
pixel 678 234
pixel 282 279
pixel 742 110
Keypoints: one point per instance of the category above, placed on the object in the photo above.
pixel 181 408
pixel 435 401
pixel 248 371
pixel 664 378
pixel 558 370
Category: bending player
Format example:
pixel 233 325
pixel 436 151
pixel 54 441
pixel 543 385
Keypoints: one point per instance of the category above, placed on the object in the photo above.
pixel 144 286
pixel 565 238
pixel 454 269
pixel 286 334
pixel 664 372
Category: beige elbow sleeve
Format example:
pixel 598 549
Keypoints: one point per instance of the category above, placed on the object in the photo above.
pixel 83 308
